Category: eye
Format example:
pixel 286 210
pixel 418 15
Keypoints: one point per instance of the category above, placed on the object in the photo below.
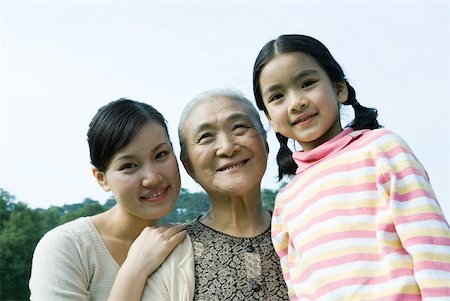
pixel 205 137
pixel 275 97
pixel 308 83
pixel 239 129
pixel 162 155
pixel 127 165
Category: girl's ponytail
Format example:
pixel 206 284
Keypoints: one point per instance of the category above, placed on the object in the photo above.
pixel 365 118
pixel 286 165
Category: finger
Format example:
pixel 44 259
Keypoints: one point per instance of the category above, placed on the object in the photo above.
pixel 178 237
pixel 175 240
pixel 171 231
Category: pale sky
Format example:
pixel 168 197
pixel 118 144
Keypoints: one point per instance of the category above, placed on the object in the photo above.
pixel 62 60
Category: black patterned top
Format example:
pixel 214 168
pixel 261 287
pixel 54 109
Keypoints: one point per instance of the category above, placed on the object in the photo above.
pixel 235 268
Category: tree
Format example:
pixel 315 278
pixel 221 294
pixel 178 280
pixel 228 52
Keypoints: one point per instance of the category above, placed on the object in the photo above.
pixel 6 206
pixel 268 198
pixel 18 239
pixel 89 207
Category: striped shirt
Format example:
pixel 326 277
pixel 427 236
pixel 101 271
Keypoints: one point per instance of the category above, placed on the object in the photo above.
pixel 360 221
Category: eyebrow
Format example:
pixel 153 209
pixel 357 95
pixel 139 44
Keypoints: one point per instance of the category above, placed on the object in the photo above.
pixel 132 156
pixel 296 77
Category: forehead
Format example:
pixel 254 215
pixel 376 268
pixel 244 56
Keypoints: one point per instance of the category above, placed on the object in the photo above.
pixel 293 61
pixel 149 135
pixel 217 110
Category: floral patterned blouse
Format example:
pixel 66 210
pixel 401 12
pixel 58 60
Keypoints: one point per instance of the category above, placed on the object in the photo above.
pixel 235 268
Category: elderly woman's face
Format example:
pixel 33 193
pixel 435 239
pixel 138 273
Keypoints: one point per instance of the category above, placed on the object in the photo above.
pixel 227 153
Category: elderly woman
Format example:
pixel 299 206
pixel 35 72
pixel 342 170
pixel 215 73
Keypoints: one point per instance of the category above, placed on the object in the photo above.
pixel 224 149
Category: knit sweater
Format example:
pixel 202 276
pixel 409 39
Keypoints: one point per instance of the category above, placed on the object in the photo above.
pixel 360 221
pixel 71 262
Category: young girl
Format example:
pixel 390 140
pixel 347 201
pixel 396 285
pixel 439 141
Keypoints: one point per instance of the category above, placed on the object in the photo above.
pixel 112 253
pixel 359 221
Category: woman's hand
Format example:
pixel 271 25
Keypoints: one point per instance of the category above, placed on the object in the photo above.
pixel 145 255
pixel 153 245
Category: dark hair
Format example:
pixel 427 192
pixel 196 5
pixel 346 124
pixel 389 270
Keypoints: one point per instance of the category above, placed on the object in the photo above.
pixel 115 125
pixel 365 118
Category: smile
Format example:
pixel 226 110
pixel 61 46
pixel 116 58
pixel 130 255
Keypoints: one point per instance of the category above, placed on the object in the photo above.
pixel 155 196
pixel 233 166
pixel 303 119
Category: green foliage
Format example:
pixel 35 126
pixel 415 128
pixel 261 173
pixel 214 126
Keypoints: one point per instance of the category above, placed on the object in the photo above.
pixel 89 207
pixel 6 206
pixel 21 228
pixel 21 232
pixel 268 198
pixel 188 207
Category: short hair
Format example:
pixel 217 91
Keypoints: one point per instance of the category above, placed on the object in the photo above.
pixel 211 94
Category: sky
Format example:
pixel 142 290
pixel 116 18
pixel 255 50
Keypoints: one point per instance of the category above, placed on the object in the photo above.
pixel 61 60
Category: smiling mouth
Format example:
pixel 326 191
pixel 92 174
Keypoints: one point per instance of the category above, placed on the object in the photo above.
pixel 233 166
pixel 154 196
pixel 305 118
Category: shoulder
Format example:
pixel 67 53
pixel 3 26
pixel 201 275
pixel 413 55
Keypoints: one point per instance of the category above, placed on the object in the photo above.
pixel 174 279
pixel 380 140
pixel 183 251
pixel 380 135
pixel 73 233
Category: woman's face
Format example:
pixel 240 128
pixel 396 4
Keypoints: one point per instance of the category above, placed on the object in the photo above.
pixel 143 176
pixel 227 154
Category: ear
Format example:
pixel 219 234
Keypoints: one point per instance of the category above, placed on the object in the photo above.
pixel 341 91
pixel 188 166
pixel 101 179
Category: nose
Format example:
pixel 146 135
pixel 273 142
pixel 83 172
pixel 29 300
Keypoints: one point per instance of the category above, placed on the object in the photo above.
pixel 151 176
pixel 226 145
pixel 297 102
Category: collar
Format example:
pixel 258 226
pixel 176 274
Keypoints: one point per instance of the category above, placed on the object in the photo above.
pixel 306 159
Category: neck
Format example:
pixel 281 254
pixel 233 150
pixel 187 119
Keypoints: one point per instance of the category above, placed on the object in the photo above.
pixel 117 224
pixel 242 216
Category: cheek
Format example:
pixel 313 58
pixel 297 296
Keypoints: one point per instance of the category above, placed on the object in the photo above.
pixel 274 122
pixel 275 117
pixel 173 169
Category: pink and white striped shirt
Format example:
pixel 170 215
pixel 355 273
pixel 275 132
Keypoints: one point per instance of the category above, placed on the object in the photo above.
pixel 360 221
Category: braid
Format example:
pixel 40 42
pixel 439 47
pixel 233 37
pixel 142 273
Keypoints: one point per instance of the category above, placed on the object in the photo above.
pixel 365 118
pixel 286 165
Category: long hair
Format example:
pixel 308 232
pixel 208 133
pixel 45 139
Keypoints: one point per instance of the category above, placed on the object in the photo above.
pixel 365 118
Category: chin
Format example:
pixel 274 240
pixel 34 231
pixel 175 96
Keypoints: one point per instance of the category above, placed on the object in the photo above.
pixel 237 189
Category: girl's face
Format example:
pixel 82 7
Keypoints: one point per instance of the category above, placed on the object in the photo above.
pixel 227 153
pixel 301 101
pixel 143 176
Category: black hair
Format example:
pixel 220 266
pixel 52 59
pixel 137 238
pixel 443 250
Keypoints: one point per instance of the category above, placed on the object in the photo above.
pixel 365 118
pixel 115 125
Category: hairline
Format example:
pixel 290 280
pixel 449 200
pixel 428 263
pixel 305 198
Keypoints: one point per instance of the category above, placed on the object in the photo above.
pixel 208 95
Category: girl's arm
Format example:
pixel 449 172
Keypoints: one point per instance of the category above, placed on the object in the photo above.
pixel 418 218
pixel 280 239
pixel 146 254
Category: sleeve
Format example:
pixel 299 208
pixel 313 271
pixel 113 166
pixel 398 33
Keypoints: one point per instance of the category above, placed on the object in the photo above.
pixel 417 216
pixel 174 280
pixel 280 239
pixel 57 271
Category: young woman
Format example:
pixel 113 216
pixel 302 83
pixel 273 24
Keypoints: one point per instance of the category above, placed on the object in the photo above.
pixel 104 255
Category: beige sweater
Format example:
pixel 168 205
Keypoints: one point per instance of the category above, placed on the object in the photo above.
pixel 71 262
